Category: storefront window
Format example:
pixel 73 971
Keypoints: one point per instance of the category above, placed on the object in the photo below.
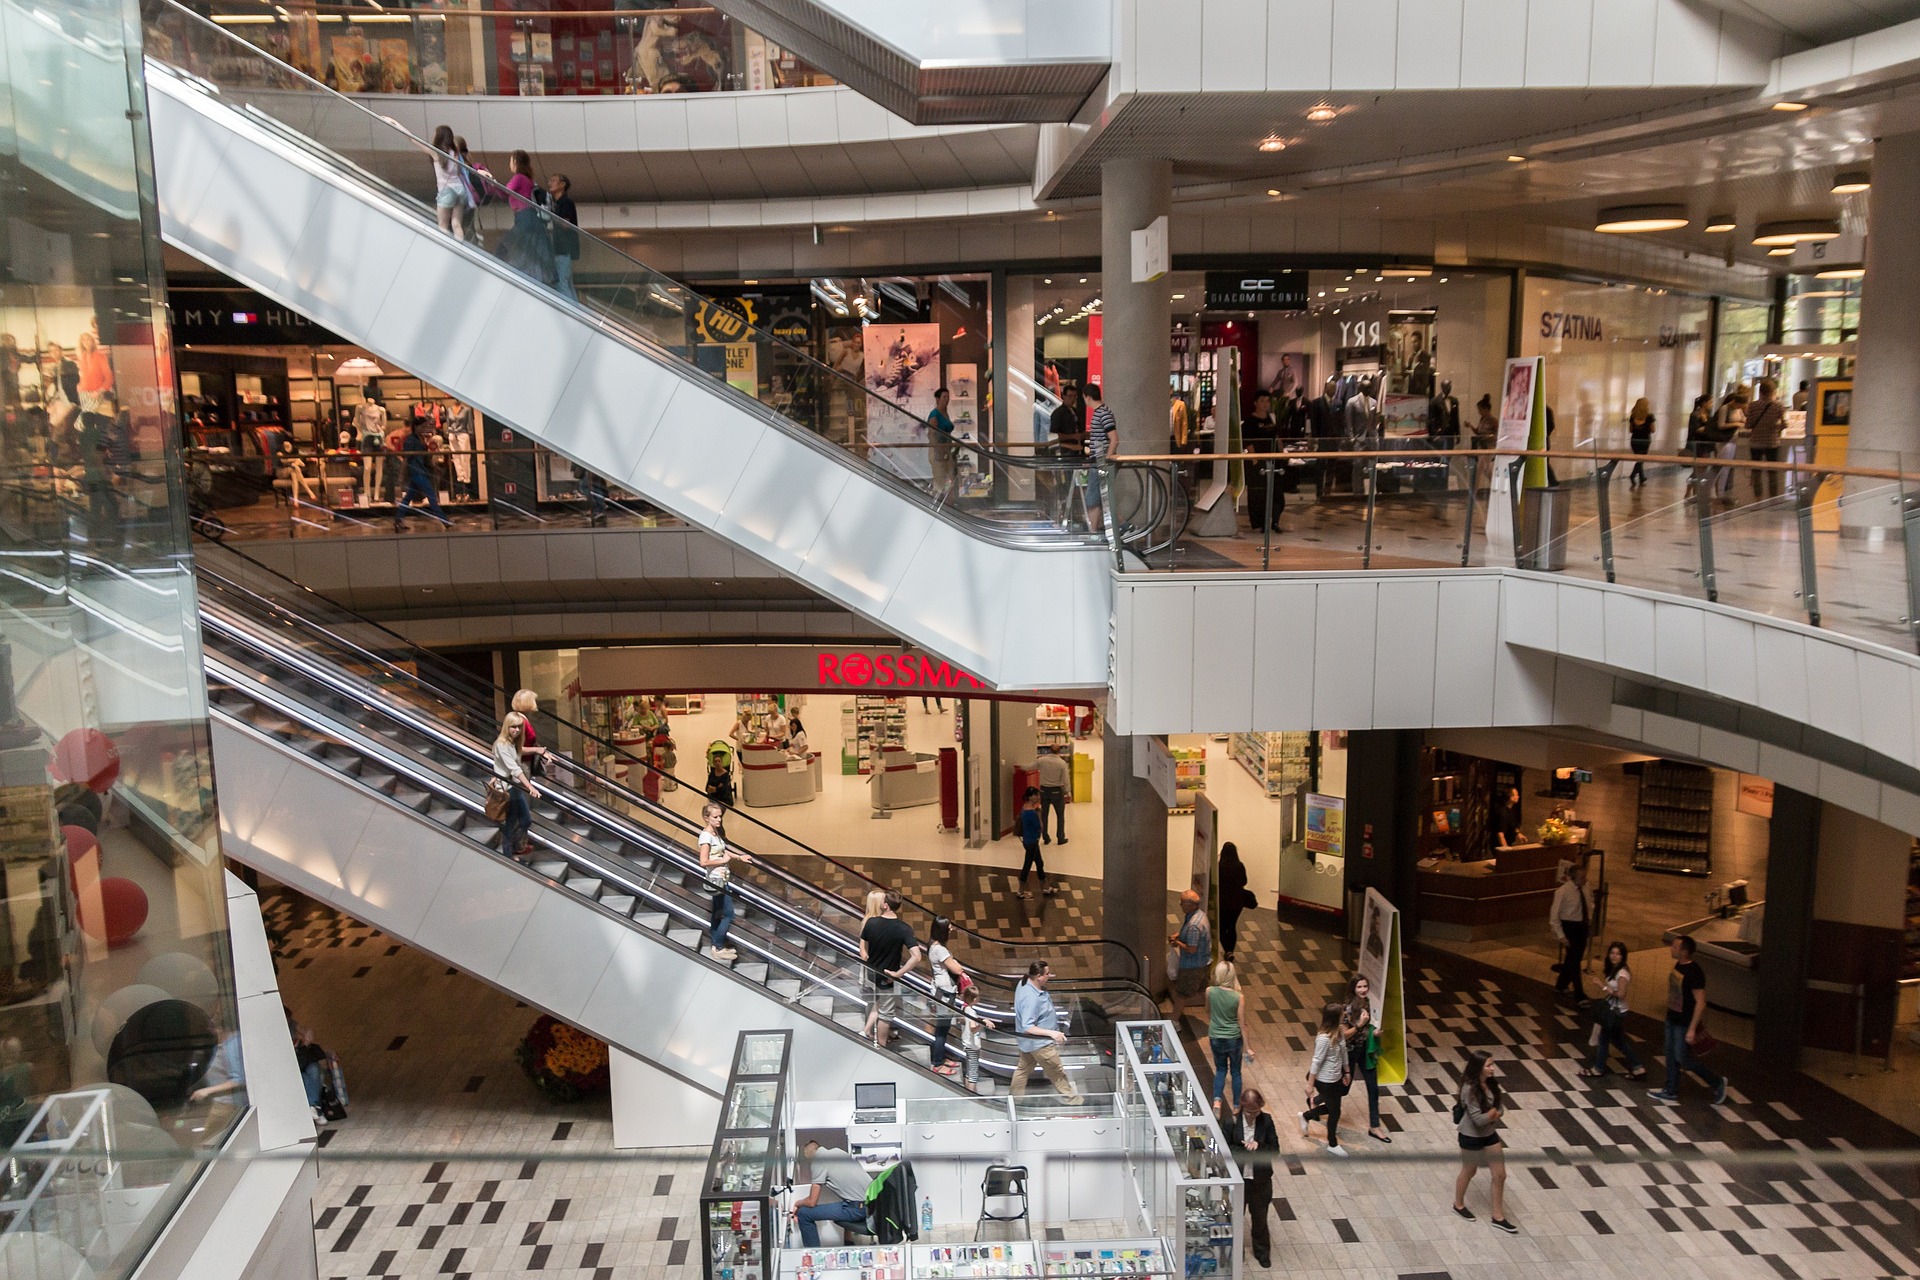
pixel 1824 312
pixel 1606 346
pixel 1736 352
pixel 660 47
pixel 118 1027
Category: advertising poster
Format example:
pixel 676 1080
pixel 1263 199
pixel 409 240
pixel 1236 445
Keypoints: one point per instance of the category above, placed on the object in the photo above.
pixel 902 371
pixel 1326 826
pixel 1403 415
pixel 1522 409
pixel 1380 965
pixel 743 367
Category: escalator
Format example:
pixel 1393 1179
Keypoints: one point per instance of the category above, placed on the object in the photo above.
pixel 312 200
pixel 352 767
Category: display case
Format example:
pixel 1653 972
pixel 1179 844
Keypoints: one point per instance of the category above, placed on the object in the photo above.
pixel 987 1260
pixel 1105 1258
pixel 739 1216
pixel 1188 1190
pixel 851 1262
pixel 1675 822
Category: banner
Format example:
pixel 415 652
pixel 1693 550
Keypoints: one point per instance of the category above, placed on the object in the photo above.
pixel 903 371
pixel 1206 845
pixel 1522 409
pixel 1326 825
pixel 1379 964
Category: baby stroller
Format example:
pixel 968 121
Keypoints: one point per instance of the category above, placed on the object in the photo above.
pixel 720 772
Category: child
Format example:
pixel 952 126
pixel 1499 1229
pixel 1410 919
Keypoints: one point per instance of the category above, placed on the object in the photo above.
pixel 973 1032
pixel 1030 822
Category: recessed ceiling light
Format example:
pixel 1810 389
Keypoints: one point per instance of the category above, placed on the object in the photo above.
pixel 1322 293
pixel 1443 279
pixel 1178 296
pixel 1273 142
pixel 1719 222
pixel 1846 184
pixel 1627 219
pixel 1784 251
pixel 1048 280
pixel 1273 191
pixel 1840 273
pixel 1340 289
pixel 1789 106
pixel 1793 231
pixel 749 282
pixel 1083 279
pixel 1516 159
pixel 1321 113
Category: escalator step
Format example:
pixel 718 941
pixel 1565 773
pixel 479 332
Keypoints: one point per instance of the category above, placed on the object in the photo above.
pixel 654 920
pixel 686 937
pixel 621 902
pixel 585 886
pixel 752 971
pixel 447 815
pixel 412 797
pixel 823 1005
pixel 551 870
pixel 785 988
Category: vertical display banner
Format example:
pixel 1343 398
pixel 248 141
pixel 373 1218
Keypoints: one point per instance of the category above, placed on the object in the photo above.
pixel 903 372
pixel 1522 406
pixel 1206 849
pixel 1380 966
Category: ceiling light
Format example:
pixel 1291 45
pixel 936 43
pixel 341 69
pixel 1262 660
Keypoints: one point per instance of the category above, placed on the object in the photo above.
pixel 1627 219
pixel 1846 184
pixel 1839 273
pixel 1789 106
pixel 1393 270
pixel 1178 296
pixel 1321 113
pixel 1795 230
pixel 1516 159
pixel 1784 251
pixel 1083 279
pixel 1340 289
pixel 1443 279
pixel 1322 293
pixel 749 282
pixel 1719 222
pixel 1048 280
pixel 1273 191
pixel 1273 142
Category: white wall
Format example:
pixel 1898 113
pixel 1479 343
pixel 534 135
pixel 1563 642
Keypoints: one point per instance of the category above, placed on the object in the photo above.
pixel 1861 873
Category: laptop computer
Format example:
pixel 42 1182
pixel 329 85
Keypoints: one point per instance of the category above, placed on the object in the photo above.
pixel 874 1104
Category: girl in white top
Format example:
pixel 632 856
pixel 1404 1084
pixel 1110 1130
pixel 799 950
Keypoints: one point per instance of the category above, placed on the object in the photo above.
pixel 1610 1023
pixel 714 857
pixel 947 976
pixel 507 767
pixel 449 186
pixel 1327 1076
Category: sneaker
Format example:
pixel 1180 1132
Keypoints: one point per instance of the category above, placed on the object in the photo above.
pixel 1052 891
pixel 1501 1224
pixel 1303 1124
pixel 1720 1093
pixel 1661 1095
pixel 1464 1212
pixel 1337 1151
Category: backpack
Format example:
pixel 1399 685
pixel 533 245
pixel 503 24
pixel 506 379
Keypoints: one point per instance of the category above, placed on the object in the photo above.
pixel 480 185
pixel 892 1205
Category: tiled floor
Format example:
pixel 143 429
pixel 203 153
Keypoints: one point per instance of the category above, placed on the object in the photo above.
pixel 429 1057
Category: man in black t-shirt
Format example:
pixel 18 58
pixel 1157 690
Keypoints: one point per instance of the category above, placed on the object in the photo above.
pixel 887 946
pixel 1686 1009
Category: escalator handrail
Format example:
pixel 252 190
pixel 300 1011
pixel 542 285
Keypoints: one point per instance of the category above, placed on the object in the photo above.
pixel 1059 538
pixel 435 731
pixel 426 657
pixel 602 867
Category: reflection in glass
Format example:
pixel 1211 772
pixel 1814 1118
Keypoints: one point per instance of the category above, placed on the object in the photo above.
pixel 117 1022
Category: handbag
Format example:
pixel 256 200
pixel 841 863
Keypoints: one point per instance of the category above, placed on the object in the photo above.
pixel 1248 901
pixel 497 793
pixel 1703 1044
pixel 1606 1014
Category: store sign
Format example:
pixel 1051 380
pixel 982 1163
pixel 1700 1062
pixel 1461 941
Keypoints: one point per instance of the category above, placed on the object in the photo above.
pixel 1756 796
pixel 1571 326
pixel 1153 762
pixel 236 316
pixel 1360 333
pixel 777 668
pixel 890 671
pixel 1672 337
pixel 725 320
pixel 1257 290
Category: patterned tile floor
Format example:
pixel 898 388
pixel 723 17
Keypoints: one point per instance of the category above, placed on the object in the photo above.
pixel 429 1057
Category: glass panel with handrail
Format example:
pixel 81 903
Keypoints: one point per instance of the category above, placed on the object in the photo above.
pixel 997 493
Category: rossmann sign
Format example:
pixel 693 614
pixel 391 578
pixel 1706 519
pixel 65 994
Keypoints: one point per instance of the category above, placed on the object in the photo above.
pixel 772 668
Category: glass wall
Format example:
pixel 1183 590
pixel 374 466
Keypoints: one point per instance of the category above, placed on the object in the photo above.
pixel 117 1017
pixel 519 48
pixel 1741 333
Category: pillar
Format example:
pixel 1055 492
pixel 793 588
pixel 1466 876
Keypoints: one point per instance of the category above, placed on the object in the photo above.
pixel 1383 791
pixel 1133 863
pixel 1138 317
pixel 1793 843
pixel 1886 379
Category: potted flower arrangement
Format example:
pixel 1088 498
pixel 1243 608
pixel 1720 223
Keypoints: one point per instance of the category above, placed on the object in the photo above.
pixel 567 1065
pixel 1554 831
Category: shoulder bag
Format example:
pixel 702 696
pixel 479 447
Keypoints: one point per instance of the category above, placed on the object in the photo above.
pixel 497 793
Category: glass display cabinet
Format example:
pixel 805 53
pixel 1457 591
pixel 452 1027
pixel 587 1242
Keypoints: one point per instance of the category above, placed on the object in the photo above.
pixel 739 1197
pixel 1187 1189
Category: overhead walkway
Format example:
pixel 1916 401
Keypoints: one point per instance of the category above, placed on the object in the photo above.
pixel 828 479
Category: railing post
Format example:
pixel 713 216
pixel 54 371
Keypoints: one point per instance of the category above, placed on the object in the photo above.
pixel 1603 482
pixel 1266 534
pixel 1473 497
pixel 1703 512
pixel 1803 496
pixel 1372 472
pixel 1514 470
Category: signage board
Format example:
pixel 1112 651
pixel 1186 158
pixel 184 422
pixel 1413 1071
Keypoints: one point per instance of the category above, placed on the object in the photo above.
pixel 1257 289
pixel 770 668
pixel 241 316
pixel 1326 825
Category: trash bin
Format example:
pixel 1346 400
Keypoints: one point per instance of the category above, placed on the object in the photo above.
pixel 1082 778
pixel 1543 528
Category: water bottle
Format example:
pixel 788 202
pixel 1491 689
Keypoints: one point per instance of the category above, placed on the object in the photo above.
pixel 926 1215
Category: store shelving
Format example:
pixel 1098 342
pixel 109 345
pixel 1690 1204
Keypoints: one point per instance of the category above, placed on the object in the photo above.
pixel 1053 726
pixel 867 723
pixel 758 706
pixel 1277 761
pixel 1675 822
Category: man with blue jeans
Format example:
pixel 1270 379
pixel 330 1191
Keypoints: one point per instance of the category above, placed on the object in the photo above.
pixel 838 1194
pixel 1194 945
pixel 1686 1007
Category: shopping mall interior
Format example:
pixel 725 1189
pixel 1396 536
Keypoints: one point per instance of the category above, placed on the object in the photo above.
pixel 818 641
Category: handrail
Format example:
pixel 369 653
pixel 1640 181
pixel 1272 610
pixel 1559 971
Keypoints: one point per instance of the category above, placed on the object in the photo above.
pixel 1564 455
pixel 401 674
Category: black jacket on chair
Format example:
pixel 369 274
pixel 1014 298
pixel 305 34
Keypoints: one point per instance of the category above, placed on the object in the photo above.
pixel 1257 1163
pixel 893 1212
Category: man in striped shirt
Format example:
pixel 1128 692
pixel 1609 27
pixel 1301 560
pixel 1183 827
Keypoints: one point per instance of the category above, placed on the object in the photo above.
pixel 1101 429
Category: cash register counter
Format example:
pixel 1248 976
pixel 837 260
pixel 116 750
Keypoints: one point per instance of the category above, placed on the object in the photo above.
pixel 1462 901
pixel 1074 1156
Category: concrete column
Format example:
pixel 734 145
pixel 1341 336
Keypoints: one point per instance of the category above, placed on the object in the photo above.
pixel 1793 845
pixel 1886 380
pixel 1133 861
pixel 1383 790
pixel 1138 317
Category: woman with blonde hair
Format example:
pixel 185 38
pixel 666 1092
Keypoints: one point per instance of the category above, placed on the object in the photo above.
pixel 507 767
pixel 1223 1032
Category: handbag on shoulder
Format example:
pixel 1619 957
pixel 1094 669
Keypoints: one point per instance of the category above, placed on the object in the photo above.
pixel 497 793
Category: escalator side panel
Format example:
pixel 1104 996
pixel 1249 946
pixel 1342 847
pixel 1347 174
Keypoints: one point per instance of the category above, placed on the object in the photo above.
pixel 313 830
pixel 272 216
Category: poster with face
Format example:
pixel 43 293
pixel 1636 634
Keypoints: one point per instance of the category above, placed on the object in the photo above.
pixel 902 367
pixel 1516 403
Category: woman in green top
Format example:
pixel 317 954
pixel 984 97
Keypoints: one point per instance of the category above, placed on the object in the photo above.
pixel 1223 1032
pixel 1363 1050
